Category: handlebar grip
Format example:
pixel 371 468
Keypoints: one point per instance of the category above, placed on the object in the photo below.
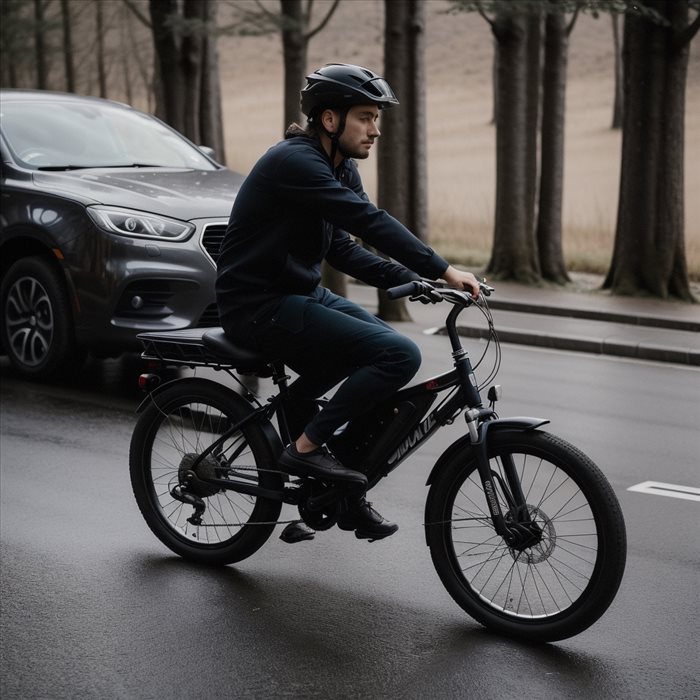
pixel 403 290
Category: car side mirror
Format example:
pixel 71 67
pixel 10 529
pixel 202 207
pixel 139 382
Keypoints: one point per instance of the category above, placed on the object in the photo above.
pixel 209 152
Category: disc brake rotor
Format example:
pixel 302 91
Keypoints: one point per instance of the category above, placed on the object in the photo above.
pixel 543 548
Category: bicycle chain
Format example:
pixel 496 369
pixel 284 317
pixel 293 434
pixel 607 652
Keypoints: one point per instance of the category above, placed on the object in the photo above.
pixel 266 522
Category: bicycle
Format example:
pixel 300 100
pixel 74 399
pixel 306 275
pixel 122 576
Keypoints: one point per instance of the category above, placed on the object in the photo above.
pixel 524 530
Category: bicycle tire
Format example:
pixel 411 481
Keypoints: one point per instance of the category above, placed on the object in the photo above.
pixel 175 427
pixel 548 592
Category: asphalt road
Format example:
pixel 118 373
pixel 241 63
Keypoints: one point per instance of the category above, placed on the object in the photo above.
pixel 93 606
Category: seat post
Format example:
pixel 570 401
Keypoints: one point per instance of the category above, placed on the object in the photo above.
pixel 281 379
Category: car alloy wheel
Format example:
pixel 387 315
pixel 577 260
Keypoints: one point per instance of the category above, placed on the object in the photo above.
pixel 29 320
pixel 36 323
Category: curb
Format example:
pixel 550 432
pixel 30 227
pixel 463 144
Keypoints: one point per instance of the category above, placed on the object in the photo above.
pixel 672 341
pixel 597 346
pixel 635 319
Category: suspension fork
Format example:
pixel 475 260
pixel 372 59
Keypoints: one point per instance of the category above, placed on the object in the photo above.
pixel 477 421
pixel 480 427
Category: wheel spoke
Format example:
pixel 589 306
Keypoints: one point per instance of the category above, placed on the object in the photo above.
pixel 181 434
pixel 548 576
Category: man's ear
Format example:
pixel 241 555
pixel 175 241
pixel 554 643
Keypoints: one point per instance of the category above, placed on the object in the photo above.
pixel 329 120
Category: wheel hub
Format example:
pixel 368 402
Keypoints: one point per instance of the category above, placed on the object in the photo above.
pixel 535 540
pixel 192 476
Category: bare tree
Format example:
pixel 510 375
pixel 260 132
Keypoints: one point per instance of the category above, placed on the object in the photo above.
pixel 618 103
pixel 170 96
pixel 533 49
pixel 211 120
pixel 68 59
pixel 42 68
pixel 649 253
pixel 549 216
pixel 16 32
pixel 514 250
pixel 101 66
pixel 402 158
pixel 188 95
pixel 296 35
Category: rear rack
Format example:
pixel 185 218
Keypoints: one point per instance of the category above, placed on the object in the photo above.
pixel 184 347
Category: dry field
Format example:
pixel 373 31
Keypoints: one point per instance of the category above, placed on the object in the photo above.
pixel 461 142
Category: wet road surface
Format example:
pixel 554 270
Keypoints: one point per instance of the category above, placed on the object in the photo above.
pixel 93 606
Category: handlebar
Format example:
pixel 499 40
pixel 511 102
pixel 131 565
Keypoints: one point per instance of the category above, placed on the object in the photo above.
pixel 428 292
pixel 403 290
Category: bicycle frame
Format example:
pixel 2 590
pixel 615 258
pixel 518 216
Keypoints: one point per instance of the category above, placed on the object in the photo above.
pixel 379 440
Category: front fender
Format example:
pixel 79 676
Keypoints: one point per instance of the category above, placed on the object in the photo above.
pixel 468 448
pixel 518 423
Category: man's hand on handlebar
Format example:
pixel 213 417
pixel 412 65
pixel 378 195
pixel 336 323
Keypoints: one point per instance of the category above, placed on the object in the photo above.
pixel 464 281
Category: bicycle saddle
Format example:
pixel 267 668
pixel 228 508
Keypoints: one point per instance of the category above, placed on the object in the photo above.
pixel 245 361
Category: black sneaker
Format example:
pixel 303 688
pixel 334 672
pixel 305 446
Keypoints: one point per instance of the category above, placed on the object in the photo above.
pixel 321 464
pixel 365 521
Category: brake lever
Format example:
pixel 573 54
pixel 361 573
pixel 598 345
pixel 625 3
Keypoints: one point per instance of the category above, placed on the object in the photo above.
pixel 428 293
pixel 428 296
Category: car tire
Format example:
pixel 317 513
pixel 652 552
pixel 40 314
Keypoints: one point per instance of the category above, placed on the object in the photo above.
pixel 36 323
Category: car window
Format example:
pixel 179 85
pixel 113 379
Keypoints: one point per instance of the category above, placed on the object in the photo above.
pixel 55 134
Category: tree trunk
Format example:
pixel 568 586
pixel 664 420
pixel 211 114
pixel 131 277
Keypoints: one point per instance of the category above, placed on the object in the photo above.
pixel 494 83
pixel 618 104
pixel 191 58
pixel 294 49
pixel 211 117
pixel 101 69
pixel 513 255
pixel 169 78
pixel 649 252
pixel 42 70
pixel 402 161
pixel 532 119
pixel 549 233
pixel 68 64
pixel 295 41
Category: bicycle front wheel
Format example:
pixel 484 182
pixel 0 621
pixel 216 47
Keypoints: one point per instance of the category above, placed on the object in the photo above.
pixel 563 581
pixel 175 428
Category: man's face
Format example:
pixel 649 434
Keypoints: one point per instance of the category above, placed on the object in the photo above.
pixel 360 131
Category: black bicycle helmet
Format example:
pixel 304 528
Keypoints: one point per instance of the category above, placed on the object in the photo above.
pixel 342 85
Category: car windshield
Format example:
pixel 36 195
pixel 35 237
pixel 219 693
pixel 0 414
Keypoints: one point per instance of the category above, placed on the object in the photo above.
pixel 55 135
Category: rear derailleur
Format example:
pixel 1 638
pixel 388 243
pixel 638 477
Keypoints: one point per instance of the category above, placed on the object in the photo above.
pixel 191 489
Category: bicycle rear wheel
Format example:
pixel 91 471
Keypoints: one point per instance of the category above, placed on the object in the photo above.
pixel 174 429
pixel 559 585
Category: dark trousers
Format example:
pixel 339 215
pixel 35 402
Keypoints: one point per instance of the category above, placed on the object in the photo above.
pixel 326 339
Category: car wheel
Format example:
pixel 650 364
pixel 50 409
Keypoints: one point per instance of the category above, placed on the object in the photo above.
pixel 37 322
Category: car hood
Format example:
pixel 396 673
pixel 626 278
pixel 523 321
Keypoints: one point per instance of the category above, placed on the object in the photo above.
pixel 181 194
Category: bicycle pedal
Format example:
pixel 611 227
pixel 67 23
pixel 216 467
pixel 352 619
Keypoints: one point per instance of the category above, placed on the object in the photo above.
pixel 297 532
pixel 372 538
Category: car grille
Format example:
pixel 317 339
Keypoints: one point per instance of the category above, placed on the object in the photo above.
pixel 212 238
pixel 210 317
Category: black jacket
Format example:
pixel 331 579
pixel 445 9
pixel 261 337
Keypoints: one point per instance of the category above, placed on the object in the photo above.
pixel 291 212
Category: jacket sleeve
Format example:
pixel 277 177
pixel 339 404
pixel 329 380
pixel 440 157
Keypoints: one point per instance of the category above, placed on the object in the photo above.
pixel 305 178
pixel 349 257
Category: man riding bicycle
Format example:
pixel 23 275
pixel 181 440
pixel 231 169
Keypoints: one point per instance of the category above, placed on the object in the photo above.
pixel 298 206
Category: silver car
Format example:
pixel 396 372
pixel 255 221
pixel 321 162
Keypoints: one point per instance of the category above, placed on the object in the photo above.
pixel 110 225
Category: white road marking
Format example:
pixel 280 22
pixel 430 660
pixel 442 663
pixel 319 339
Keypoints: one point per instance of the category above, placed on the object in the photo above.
pixel 658 488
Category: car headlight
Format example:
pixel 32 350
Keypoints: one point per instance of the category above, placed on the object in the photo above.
pixel 128 222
